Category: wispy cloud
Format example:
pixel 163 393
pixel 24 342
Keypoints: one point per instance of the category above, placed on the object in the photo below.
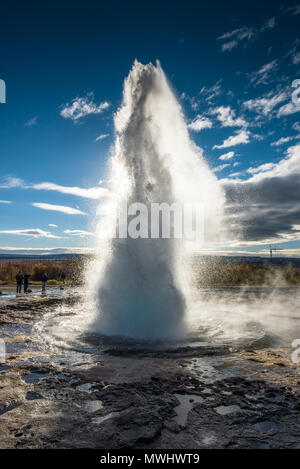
pixel 10 182
pixel 289 108
pixel 31 122
pixel 227 156
pixel 244 35
pixel 82 107
pixel 296 58
pixel 295 10
pixel 263 168
pixel 265 105
pixel 5 202
pixel 263 74
pixel 283 140
pixel 58 208
pixel 200 123
pixel 80 233
pixel 211 92
pixel 296 126
pixel 89 193
pixel 101 137
pixel 227 117
pixel 220 167
pixel 53 225
pixel 228 46
pixel 34 232
pixel 239 138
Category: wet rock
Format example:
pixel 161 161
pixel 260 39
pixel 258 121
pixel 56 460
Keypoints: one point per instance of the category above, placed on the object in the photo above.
pixel 172 426
pixel 267 426
pixel 32 396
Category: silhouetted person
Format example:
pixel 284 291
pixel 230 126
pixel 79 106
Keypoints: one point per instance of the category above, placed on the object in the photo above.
pixel 63 277
pixel 44 280
pixel 19 279
pixel 26 281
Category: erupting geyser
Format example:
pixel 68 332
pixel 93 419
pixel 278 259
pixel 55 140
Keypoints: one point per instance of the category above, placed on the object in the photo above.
pixel 140 287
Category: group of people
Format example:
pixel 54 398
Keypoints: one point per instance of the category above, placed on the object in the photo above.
pixel 24 279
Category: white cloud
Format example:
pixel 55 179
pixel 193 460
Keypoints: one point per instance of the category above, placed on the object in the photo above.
pixel 81 107
pixel 81 233
pixel 234 175
pixel 287 109
pixel 266 104
pixel 283 140
pixel 263 75
pixel 227 156
pixel 101 137
pixel 294 9
pixel 34 232
pixel 287 166
pixel 5 202
pixel 10 182
pixel 226 116
pixel 220 167
pixel 296 126
pixel 262 168
pixel 228 46
pixel 58 208
pixel 210 93
pixel 244 35
pixel 53 225
pixel 296 58
pixel 200 123
pixel 239 138
pixel 90 193
pixel 31 122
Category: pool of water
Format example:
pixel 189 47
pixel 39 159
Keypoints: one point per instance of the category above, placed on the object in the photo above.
pixel 10 296
pixel 220 321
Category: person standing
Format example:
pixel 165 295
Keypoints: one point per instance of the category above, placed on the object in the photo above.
pixel 19 279
pixel 26 281
pixel 63 277
pixel 44 280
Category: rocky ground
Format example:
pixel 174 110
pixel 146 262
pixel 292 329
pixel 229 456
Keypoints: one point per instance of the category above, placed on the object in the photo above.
pixel 50 398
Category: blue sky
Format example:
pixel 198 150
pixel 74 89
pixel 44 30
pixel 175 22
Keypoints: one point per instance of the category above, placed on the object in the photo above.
pixel 232 66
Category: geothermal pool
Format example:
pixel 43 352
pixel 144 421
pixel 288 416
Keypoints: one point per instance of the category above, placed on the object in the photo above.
pixel 222 320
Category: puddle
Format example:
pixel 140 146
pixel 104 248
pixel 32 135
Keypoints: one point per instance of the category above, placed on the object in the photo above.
pixel 92 406
pixel 276 398
pixel 85 387
pixel 32 396
pixel 5 367
pixel 34 377
pixel 267 426
pixel 9 295
pixel 186 404
pixel 227 409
